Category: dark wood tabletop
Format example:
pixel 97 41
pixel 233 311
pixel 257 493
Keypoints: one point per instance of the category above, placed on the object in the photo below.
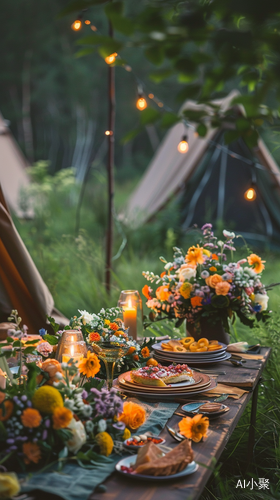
pixel 206 453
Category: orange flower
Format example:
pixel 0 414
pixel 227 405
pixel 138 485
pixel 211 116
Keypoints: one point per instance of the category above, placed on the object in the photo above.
pixel 114 326
pixel 136 357
pixel 131 350
pixel 195 255
pixel 90 365
pixel 133 415
pixel 194 428
pixel 94 337
pixel 213 280
pixel 31 418
pixel 9 406
pixel 162 274
pixel 162 293
pixel 32 452
pixel 196 301
pixel 255 261
pixel 145 352
pixel 146 292
pixel 222 288
pixel 151 362
pixel 215 257
pixel 2 397
pixel 52 367
pixel 212 269
pixel 61 418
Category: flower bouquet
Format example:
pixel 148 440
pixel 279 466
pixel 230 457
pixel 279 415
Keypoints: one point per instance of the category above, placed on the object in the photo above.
pixel 57 414
pixel 206 289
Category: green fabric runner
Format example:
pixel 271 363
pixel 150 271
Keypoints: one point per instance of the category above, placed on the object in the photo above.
pixel 76 483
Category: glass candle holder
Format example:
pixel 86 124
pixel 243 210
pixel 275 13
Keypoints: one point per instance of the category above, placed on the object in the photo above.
pixel 131 304
pixel 71 336
pixel 74 351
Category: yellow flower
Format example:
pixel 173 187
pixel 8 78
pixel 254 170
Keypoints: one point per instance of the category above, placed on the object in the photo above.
pixel 31 418
pixel 9 485
pixel 46 399
pixel 32 452
pixel 133 415
pixel 90 365
pixel 107 322
pixel 194 428
pixel 105 443
pixel 206 252
pixel 213 269
pixel 185 290
pixel 126 434
pixel 61 418
pixel 145 352
pixel 255 261
pixel 195 255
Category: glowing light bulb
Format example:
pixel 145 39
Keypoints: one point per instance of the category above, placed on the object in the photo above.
pixel 183 145
pixel 111 58
pixel 76 26
pixel 87 21
pixel 151 96
pixel 108 132
pixel 250 194
pixel 141 103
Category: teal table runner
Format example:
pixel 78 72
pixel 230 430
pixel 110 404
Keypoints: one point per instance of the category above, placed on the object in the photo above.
pixel 77 483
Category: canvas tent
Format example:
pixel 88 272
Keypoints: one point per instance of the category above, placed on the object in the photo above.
pixel 211 179
pixel 21 286
pixel 13 165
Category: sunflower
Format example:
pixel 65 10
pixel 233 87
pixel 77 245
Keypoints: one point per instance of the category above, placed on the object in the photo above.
pixel 31 418
pixel 90 365
pixel 145 352
pixel 32 452
pixel 195 255
pixel 61 418
pixel 194 428
pixel 255 261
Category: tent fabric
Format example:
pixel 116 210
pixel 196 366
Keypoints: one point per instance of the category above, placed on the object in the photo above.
pixel 211 179
pixel 13 176
pixel 21 285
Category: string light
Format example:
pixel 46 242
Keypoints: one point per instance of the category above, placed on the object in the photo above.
pixel 111 58
pixel 141 103
pixel 183 145
pixel 250 194
pixel 109 132
pixel 87 21
pixel 93 28
pixel 76 26
pixel 151 96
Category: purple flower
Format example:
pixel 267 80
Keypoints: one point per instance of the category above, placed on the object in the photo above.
pixel 95 392
pixel 47 423
pixel 13 448
pixel 84 394
pixel 10 441
pixel 44 435
pixel 206 226
pixel 24 398
pixel 206 301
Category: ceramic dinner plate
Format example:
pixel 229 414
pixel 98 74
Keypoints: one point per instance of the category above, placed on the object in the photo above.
pixel 128 461
pixel 192 361
pixel 223 409
pixel 202 380
pixel 158 347
pixel 136 447
pixel 197 379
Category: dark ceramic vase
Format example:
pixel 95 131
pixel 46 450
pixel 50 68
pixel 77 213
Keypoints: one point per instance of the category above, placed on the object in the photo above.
pixel 208 331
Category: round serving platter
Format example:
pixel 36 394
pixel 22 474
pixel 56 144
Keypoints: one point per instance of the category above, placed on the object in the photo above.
pixel 157 347
pixel 128 461
pixel 191 360
pixel 198 378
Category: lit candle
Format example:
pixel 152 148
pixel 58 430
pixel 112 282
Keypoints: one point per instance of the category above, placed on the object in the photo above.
pixel 74 356
pixel 130 319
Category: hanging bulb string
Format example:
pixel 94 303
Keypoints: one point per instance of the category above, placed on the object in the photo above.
pixel 141 84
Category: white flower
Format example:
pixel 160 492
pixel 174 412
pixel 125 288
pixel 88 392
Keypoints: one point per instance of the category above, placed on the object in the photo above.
pixel 87 410
pixel 228 235
pixel 102 425
pixel 186 272
pixel 262 300
pixel 58 376
pixel 78 436
pixel 168 266
pixel 87 317
pixel 89 426
pixel 70 404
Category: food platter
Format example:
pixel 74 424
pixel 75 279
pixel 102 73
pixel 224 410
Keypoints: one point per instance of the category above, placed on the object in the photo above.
pixel 158 347
pixel 191 360
pixel 198 380
pixel 128 461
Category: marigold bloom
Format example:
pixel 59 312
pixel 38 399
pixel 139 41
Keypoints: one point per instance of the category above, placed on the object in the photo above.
pixel 9 406
pixel 195 255
pixel 213 280
pixel 133 415
pixel 222 288
pixel 107 322
pixel 31 418
pixel 61 418
pixel 32 452
pixel 131 350
pixel 145 352
pixel 196 301
pixel 105 443
pixel 161 275
pixel 212 269
pixel 94 337
pixel 215 256
pixel 114 326
pixel 255 261
pixel 185 290
pixel 151 362
pixel 90 365
pixel 146 292
pixel 52 367
pixel 136 357
pixel 162 293
pixel 194 428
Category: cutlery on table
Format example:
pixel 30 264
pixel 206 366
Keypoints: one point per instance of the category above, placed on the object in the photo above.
pixel 209 372
pixel 176 435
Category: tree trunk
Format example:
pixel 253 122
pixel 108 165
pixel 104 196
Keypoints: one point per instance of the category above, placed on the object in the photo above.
pixel 26 108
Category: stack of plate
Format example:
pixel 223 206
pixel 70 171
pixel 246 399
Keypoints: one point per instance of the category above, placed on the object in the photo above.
pixel 201 383
pixel 190 358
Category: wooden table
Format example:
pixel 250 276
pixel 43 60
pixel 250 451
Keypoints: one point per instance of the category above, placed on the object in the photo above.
pixel 220 430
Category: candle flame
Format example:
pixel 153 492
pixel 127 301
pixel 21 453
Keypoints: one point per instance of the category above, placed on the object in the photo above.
pixel 129 303
pixel 72 350
pixel 72 338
